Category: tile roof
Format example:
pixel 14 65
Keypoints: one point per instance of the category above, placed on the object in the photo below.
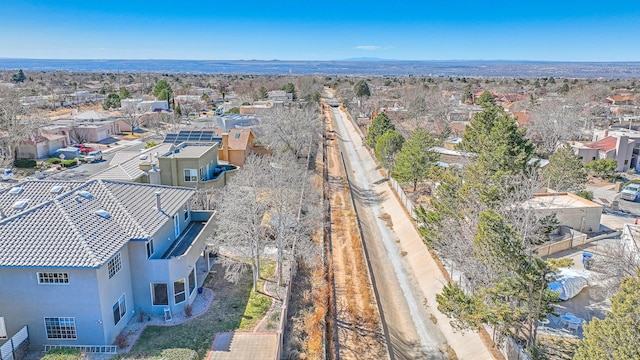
pixel 65 231
pixel 126 165
pixel 606 144
pixel 239 139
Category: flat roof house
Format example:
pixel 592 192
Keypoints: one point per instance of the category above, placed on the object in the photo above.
pixel 78 259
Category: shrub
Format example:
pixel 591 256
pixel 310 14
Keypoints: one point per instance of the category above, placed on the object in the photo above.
pixel 68 163
pixel 53 160
pixel 234 110
pixel 585 194
pixel 62 354
pixel 24 163
pixel 121 341
pixel 188 310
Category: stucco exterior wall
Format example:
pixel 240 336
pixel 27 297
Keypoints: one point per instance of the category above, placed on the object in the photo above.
pixel 88 298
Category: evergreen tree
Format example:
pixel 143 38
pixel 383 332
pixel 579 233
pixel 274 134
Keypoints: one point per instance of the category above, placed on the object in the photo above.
pixel 500 145
pixel 112 101
pixel 565 171
pixel 124 93
pixel 361 89
pixel 163 91
pixel 387 146
pixel 18 77
pixel 486 100
pixel 381 123
pixel 289 88
pixel 416 158
pixel 618 335
pixel 263 93
pixel 603 168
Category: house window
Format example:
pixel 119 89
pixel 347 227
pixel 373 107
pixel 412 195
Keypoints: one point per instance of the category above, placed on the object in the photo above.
pixel 203 174
pixel 626 162
pixel 60 327
pixel 3 329
pixel 114 265
pixel 119 310
pixel 53 278
pixel 149 248
pixel 179 291
pixel 185 210
pixel 594 158
pixel 190 175
pixel 159 294
pixel 176 225
pixel 192 281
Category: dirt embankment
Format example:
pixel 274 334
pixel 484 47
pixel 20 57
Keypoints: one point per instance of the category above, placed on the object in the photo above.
pixel 356 329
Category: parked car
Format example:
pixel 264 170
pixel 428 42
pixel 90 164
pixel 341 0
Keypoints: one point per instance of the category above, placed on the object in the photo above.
pixel 7 174
pixel 631 192
pixel 93 156
pixel 84 149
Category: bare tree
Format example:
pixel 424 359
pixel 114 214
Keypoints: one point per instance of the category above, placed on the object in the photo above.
pixel 553 123
pixel 15 124
pixel 290 129
pixel 130 114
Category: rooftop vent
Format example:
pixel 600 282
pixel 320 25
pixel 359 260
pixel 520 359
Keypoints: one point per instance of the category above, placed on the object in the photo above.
pixel 85 194
pixel 103 214
pixel 20 204
pixel 237 135
pixel 16 190
pixel 56 189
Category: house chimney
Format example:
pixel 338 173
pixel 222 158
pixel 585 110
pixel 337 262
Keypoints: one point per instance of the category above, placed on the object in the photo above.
pixel 605 134
pixel 158 205
pixel 225 146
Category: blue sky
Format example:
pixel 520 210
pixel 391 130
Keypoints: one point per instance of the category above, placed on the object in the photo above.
pixel 559 30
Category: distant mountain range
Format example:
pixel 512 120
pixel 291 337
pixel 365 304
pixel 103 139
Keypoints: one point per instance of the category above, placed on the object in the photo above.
pixel 354 66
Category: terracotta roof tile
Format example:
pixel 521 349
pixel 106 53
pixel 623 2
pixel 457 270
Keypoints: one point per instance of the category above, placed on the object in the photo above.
pixel 606 144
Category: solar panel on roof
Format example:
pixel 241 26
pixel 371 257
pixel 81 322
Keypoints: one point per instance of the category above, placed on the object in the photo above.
pixel 191 136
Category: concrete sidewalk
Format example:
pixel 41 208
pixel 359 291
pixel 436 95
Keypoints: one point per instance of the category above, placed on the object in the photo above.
pixel 423 268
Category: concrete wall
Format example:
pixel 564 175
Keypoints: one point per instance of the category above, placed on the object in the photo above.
pixel 571 240
pixel 573 217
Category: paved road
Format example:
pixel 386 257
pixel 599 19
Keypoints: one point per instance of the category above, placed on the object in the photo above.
pixel 87 170
pixel 412 334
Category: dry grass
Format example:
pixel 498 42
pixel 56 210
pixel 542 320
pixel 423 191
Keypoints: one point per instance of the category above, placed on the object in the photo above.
pixel 559 347
pixel 387 220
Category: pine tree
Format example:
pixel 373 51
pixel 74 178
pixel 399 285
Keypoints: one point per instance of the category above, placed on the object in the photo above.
pixel 381 123
pixel 387 146
pixel 618 335
pixel 416 158
pixel 500 145
pixel 565 171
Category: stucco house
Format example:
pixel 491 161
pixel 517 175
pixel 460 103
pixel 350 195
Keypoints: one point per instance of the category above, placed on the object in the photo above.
pixel 571 210
pixel 173 163
pixel 615 145
pixel 80 259
pixel 41 146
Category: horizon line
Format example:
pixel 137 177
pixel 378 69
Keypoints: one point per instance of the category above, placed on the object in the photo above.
pixel 361 59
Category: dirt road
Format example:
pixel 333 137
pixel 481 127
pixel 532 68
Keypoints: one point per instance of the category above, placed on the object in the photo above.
pixel 412 334
pixel 357 332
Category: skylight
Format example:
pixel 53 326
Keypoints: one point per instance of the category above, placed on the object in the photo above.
pixel 85 194
pixel 56 189
pixel 103 214
pixel 20 204
pixel 16 190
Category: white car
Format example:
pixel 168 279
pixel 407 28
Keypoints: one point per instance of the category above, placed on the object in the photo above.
pixel 94 156
pixel 631 192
